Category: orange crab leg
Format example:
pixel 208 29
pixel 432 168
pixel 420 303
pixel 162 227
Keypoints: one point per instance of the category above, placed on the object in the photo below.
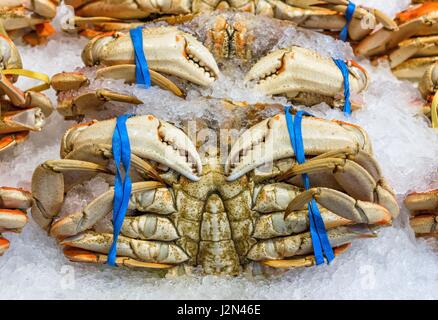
pixel 416 12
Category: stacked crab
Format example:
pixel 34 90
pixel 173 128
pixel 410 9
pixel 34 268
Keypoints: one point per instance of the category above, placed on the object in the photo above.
pixel 191 206
pixel 28 19
pixel 412 50
pixel 20 113
pixel 424 209
pixel 327 15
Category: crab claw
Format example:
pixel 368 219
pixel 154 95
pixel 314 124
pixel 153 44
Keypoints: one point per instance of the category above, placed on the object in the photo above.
pixel 150 138
pixel 167 50
pixel 13 205
pixel 269 141
pixel 4 245
pixel 293 71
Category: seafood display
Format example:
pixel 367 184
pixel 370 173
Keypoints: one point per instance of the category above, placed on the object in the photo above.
pixel 424 210
pixel 410 49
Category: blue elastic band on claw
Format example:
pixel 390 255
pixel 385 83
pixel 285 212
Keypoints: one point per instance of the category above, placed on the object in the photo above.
pixel 344 70
pixel 122 187
pixel 142 75
pixel 348 16
pixel 318 233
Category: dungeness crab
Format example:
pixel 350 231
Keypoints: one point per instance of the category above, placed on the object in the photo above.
pixel 224 217
pixel 300 74
pixel 326 15
pixel 28 19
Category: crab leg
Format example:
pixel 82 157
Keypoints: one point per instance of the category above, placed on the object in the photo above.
pixel 383 40
pixel 146 226
pixel 301 244
pixel 305 261
pixel 101 153
pixel 13 203
pixel 25 120
pixel 412 48
pixel 85 102
pixel 79 104
pixel 150 138
pixel 143 250
pixel 278 224
pixel 129 9
pixel 145 196
pixel 424 208
pixel 80 255
pixel 10 140
pixel 12 220
pixel 48 187
pixel 28 99
pixel 425 225
pixel 353 178
pixel 45 8
pixel 93 26
pixel 414 69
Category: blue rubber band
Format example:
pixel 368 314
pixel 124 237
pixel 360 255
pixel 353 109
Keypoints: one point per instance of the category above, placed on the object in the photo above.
pixel 348 16
pixel 142 75
pixel 122 187
pixel 320 242
pixel 345 74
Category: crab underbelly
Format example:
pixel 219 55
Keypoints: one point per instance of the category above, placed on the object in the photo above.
pixel 216 233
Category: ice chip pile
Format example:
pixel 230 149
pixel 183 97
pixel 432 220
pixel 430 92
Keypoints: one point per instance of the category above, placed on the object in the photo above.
pixel 394 265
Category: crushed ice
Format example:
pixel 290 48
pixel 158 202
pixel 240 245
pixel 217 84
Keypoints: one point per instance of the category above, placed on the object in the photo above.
pixel 394 265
